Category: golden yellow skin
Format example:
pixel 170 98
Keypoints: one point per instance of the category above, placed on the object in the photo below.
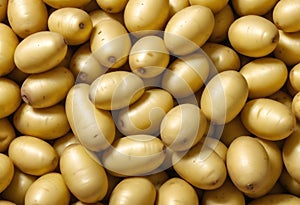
pixel 7 134
pixel 7 171
pixel 257 7
pixel 66 3
pixel 214 5
pixel 277 199
pixel 177 5
pixel 61 143
pixel 112 6
pixel 294 77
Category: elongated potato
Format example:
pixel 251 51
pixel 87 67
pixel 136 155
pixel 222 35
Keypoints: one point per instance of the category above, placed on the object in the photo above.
pixel 276 199
pixel 74 24
pixel 7 134
pixel 84 177
pixel 214 5
pixel 184 33
pixel 110 43
pixel 48 189
pixel 8 44
pixel 26 17
pixel 112 6
pixel 37 156
pixel 116 90
pixel 259 8
pixel 93 127
pixel 134 155
pixel 3 9
pixel 66 3
pixel 40 52
pixel 45 123
pixel 6 171
pixel 46 89
pixel 134 191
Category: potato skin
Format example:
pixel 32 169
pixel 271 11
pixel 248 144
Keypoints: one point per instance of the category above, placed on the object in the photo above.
pixel 7 171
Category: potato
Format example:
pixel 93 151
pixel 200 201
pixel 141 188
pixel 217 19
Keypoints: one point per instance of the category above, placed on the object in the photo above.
pixel 282 97
pixel 74 24
pixel 216 145
pixel 46 89
pixel 143 17
pixel 61 143
pixel 182 127
pixel 98 15
pixel 32 155
pixel 272 73
pixel 84 177
pixel 184 33
pixel 268 119
pixel 214 5
pixel 5 202
pixel 40 52
pixel 186 75
pixel 116 90
pixel 148 56
pixel 177 5
pixel 133 191
pixel 66 3
pixel 296 105
pixel 294 77
pixel 3 9
pixel 224 96
pixel 45 123
pixel 110 43
pixel 27 18
pixel 18 187
pixel 253 36
pixel 177 190
pixel 276 199
pixel 289 183
pixel 114 6
pixel 134 155
pixel 94 128
pixel 7 134
pixel 6 171
pixel 8 44
pixel 261 7
pixel 10 103
pixel 145 115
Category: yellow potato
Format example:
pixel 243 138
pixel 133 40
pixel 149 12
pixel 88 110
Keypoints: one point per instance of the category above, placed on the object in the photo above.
pixel 289 183
pixel 94 128
pixel 216 145
pixel 8 44
pixel 6 171
pixel 45 123
pixel 98 15
pixel 110 43
pixel 48 189
pixel 224 96
pixel 294 77
pixel 177 5
pixel 146 114
pixel 32 155
pixel 286 15
pixel 46 89
pixel 177 191
pixel 18 187
pixel 276 199
pixel 61 143
pixel 268 119
pixel 282 97
pixel 74 24
pixel 214 5
pixel 186 75
pixel 112 6
pixel 66 3
pixel 133 191
pixel 84 177
pixel 26 18
pixel 116 90
pixel 253 36
pixel 148 57
pixel 40 52
pixel 142 15
pixel 5 202
pixel 182 127
pixel 184 33
pixel 134 155
pixel 7 134
pixel 264 76
pixel 3 9
pixel 257 7
pixel 10 103
pixel 296 105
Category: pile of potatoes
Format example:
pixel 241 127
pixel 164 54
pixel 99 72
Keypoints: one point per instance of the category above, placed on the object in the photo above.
pixel 143 102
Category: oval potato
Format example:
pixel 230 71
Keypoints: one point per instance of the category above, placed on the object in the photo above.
pixel 7 134
pixel 66 3
pixel 260 7
pixel 177 5
pixel 6 171
pixel 114 6
pixel 214 5
pixel 294 77
pixel 61 143
pixel 276 199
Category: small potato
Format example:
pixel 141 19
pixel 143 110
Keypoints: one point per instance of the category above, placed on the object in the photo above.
pixel 289 183
pixel 253 36
pixel 116 90
pixel 6 171
pixel 48 189
pixel 214 5
pixel 46 89
pixel 45 123
pixel 61 143
pixel 145 115
pixel 294 77
pixel 177 191
pixel 133 191
pixel 40 52
pixel 296 105
pixel 112 6
pixel 7 134
pixel 110 43
pixel 66 3
pixel 134 155
pixel 215 144
pixel 268 119
pixel 184 33
pixel 264 76
pixel 11 97
pixel 148 57
pixel 84 177
pixel 224 96
pixel 276 199
pixel 3 9
pixel 177 5
pixel 98 15
pixel 27 18
pixel 74 24
pixel 32 155
pixel 18 187
pixel 8 44
pixel 258 7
